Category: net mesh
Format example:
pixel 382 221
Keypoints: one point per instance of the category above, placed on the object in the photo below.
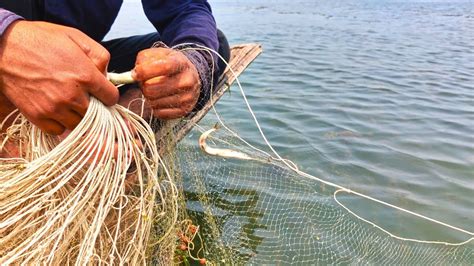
pixel 266 211
pixel 260 212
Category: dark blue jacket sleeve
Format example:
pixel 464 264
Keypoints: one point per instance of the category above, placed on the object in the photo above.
pixel 6 18
pixel 182 21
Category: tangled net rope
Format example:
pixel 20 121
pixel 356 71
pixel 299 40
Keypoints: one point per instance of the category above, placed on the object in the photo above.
pixel 76 200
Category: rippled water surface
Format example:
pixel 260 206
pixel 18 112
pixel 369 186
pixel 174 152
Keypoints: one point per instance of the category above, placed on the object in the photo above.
pixel 377 96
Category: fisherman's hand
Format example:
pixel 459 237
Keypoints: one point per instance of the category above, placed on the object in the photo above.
pixel 169 81
pixel 48 72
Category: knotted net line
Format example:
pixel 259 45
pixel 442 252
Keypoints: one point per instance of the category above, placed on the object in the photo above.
pixel 101 195
pixel 265 210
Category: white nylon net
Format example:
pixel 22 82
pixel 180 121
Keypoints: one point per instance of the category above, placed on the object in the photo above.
pixel 266 211
pixel 262 212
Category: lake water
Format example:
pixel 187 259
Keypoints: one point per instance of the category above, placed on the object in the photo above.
pixel 377 96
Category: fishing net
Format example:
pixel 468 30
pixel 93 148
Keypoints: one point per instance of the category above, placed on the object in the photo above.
pixel 262 212
pixel 98 195
pixel 255 207
pixel 217 198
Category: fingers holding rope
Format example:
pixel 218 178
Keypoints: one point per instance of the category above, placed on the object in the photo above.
pixel 169 81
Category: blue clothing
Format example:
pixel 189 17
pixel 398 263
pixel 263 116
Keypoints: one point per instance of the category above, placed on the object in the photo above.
pixel 177 21
pixel 6 18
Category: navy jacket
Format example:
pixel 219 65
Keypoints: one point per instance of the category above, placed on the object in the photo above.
pixel 177 21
